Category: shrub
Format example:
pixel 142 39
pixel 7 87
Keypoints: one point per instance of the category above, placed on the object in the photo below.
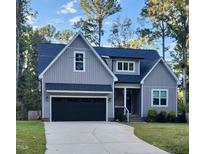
pixel 152 114
pixel 181 118
pixel 171 117
pixel 120 116
pixel 162 116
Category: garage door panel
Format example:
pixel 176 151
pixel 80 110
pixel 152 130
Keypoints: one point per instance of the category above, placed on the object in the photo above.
pixel 78 109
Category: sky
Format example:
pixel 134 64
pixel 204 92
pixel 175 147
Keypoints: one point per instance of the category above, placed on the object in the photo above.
pixel 63 13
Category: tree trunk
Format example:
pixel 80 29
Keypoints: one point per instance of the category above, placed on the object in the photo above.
pixel 184 67
pixel 17 47
pixel 163 40
pixel 17 58
pixel 99 33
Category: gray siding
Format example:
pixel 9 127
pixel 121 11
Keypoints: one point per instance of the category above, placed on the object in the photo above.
pixel 137 67
pixel 108 62
pixel 159 78
pixel 62 72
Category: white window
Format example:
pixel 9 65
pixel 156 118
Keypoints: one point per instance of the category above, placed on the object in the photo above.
pixel 125 66
pixel 79 61
pixel 159 97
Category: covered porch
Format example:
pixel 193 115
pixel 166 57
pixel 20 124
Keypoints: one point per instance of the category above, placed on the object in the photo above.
pixel 127 98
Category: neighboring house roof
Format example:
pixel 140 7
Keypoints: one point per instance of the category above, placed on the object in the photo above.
pixel 47 52
pixel 77 87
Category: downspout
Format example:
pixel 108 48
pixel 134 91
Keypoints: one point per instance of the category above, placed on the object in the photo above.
pixel 42 97
pixel 142 100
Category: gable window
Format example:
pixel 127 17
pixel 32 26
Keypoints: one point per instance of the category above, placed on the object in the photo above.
pixel 79 61
pixel 159 97
pixel 125 66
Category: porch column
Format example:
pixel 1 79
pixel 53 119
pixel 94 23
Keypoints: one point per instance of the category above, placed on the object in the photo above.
pixel 125 99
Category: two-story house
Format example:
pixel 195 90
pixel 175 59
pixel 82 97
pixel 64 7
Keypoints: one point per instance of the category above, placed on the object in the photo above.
pixel 80 82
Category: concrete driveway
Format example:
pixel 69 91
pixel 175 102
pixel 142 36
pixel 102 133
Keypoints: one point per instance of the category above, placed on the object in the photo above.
pixel 94 138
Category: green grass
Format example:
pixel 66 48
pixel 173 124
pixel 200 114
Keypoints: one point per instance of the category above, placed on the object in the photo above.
pixel 30 137
pixel 171 137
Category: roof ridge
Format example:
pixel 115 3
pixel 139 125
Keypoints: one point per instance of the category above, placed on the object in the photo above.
pixel 51 43
pixel 126 48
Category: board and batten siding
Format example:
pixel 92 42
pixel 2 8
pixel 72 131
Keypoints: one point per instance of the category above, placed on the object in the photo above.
pixel 159 78
pixel 62 71
pixel 137 67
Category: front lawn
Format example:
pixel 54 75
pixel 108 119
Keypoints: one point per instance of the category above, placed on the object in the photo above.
pixel 171 137
pixel 30 137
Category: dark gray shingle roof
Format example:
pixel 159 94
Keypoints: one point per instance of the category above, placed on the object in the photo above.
pixel 47 52
pixel 78 87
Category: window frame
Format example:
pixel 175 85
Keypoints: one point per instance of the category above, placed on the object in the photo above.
pixel 128 63
pixel 159 90
pixel 74 61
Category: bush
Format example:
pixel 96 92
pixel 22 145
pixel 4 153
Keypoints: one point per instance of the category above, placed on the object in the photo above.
pixel 162 116
pixel 171 117
pixel 181 118
pixel 152 114
pixel 120 116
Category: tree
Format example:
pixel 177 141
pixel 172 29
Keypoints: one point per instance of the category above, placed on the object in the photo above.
pixel 89 29
pixel 98 10
pixel 46 32
pixel 178 25
pixel 27 81
pixel 63 36
pixel 121 33
pixel 28 89
pixel 155 11
pixel 23 10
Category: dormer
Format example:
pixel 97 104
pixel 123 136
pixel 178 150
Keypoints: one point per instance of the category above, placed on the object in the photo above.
pixel 126 66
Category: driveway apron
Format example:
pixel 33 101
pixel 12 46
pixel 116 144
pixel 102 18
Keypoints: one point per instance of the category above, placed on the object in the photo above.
pixel 94 138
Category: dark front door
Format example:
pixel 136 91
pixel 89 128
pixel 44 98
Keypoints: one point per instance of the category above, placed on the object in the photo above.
pixel 78 109
pixel 131 100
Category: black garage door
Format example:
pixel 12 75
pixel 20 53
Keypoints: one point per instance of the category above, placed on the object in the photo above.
pixel 78 109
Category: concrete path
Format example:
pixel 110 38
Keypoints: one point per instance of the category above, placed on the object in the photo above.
pixel 94 138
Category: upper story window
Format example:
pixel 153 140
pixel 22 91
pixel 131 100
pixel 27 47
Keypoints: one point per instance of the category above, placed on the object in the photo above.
pixel 79 61
pixel 125 66
pixel 159 97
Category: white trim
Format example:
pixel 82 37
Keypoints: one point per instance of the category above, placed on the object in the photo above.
pixel 139 67
pixel 167 98
pixel 176 101
pixel 113 98
pixel 128 62
pixel 169 69
pixel 142 99
pixel 74 61
pixel 71 91
pixel 42 97
pixel 106 108
pixel 65 48
pixel 125 99
pixel 64 96
pixel 130 87
pixel 106 57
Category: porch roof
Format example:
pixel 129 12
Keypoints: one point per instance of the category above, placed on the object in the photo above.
pixel 128 78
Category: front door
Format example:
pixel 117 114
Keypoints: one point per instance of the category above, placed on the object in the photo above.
pixel 131 100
